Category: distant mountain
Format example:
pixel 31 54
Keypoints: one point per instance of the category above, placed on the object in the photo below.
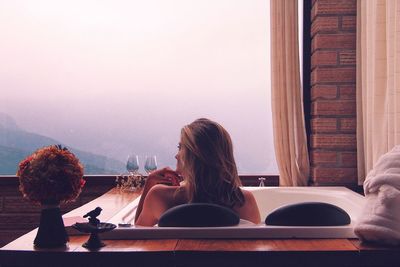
pixel 8 122
pixel 9 159
pixel 16 144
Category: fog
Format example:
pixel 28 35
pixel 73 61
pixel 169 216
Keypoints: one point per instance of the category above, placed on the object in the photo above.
pixel 120 77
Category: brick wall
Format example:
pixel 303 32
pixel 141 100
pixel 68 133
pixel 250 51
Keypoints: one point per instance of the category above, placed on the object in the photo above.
pixel 333 92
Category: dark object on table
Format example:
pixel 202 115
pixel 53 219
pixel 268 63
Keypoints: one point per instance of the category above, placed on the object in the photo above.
pixel 94 227
pixel 92 216
pixel 308 214
pixel 94 241
pixel 198 215
pixel 51 232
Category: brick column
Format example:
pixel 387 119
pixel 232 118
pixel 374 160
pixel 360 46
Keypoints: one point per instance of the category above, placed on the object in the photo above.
pixel 333 92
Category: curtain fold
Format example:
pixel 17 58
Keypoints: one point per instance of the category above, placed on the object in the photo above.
pixel 290 139
pixel 378 81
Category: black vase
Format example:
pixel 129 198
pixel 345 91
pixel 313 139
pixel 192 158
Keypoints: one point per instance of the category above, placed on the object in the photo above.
pixel 51 232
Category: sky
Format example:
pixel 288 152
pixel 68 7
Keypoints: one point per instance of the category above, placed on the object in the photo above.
pixel 116 77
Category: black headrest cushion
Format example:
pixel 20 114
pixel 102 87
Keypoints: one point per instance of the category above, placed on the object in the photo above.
pixel 198 215
pixel 308 214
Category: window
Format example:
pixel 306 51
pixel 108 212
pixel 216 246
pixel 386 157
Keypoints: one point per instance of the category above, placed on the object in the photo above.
pixel 110 78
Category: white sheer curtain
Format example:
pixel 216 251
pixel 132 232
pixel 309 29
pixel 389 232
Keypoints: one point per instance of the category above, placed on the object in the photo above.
pixel 378 81
pixel 290 139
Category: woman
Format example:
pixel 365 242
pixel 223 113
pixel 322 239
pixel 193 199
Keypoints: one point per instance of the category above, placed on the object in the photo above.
pixel 205 161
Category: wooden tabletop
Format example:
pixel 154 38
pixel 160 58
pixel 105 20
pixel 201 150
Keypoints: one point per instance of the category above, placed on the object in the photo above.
pixel 193 252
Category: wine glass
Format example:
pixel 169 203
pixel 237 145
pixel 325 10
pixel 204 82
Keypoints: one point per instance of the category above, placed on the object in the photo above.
pixel 132 164
pixel 150 164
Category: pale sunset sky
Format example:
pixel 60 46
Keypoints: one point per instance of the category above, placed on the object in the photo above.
pixel 115 77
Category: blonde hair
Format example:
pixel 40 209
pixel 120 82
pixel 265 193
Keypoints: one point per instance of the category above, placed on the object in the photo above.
pixel 208 163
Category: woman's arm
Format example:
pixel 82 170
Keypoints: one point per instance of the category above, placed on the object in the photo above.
pixel 147 215
pixel 164 176
pixel 249 211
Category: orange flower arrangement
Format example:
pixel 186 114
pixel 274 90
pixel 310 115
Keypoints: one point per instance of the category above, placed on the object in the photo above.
pixel 51 175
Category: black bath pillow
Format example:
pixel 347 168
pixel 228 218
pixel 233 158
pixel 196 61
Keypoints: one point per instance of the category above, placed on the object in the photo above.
pixel 308 214
pixel 198 215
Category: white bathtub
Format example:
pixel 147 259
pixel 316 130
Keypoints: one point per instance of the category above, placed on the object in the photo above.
pixel 268 199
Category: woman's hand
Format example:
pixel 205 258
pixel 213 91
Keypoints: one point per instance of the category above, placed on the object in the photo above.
pixel 165 176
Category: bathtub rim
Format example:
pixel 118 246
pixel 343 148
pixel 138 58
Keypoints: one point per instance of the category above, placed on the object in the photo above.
pixel 260 231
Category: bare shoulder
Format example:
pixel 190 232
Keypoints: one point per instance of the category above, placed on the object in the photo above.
pixel 165 196
pixel 248 196
pixel 161 191
pixel 247 193
pixel 161 188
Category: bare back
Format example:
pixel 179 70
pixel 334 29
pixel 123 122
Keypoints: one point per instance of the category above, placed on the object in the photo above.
pixel 161 198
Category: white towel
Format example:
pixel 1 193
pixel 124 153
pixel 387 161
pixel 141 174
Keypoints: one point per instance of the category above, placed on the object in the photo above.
pixel 380 219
